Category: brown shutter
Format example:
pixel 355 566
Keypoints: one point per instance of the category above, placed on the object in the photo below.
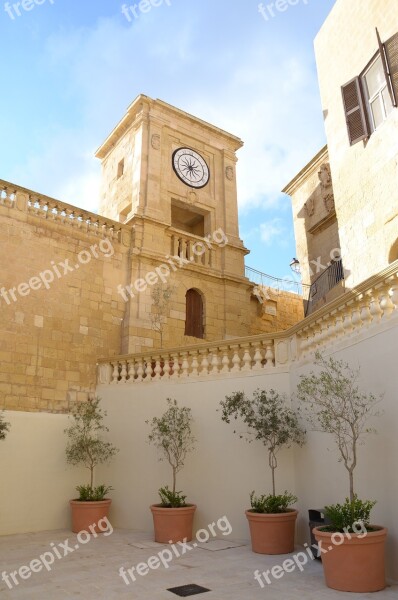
pixel 357 123
pixel 194 314
pixel 391 48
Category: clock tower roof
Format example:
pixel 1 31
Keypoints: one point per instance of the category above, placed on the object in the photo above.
pixel 145 105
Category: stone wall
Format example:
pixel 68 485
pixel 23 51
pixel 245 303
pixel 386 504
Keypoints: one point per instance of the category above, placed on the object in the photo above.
pixel 365 174
pixel 60 306
pixel 54 324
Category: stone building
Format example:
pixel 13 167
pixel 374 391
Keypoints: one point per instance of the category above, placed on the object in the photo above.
pixel 83 287
pixel 345 201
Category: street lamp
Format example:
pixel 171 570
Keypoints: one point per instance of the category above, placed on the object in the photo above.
pixel 295 266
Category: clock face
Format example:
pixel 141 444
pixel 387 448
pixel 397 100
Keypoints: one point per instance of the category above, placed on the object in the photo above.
pixel 191 168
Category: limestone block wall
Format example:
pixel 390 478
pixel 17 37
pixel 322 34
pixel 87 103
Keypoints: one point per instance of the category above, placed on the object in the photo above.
pixel 146 138
pixel 281 311
pixel 365 174
pixel 120 170
pixel 316 225
pixel 59 308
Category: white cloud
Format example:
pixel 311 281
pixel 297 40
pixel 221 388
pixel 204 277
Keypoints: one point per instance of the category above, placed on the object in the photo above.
pixel 272 232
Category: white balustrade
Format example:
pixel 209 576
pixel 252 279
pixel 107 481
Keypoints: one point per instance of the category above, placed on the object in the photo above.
pixel 360 312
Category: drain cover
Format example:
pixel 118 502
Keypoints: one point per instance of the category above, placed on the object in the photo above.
pixel 188 590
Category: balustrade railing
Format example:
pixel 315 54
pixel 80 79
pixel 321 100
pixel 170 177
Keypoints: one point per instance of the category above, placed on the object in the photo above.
pixel 44 207
pixel 360 312
pixel 191 248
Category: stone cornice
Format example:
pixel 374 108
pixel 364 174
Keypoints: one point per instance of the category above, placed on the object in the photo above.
pixel 300 178
pixel 145 104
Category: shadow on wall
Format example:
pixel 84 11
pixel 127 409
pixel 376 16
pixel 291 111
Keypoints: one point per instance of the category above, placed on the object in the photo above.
pixel 393 256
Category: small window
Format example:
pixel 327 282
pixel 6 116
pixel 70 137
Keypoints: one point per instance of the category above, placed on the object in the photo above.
pixel 378 98
pixel 194 325
pixel 120 169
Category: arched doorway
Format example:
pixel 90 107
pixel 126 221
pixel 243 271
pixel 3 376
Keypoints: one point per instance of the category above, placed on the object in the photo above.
pixel 194 321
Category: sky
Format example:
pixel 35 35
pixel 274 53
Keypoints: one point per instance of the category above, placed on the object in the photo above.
pixel 70 69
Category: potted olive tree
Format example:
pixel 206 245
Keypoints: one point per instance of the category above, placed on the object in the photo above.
pixel 171 434
pixel 86 447
pixel 335 405
pixel 4 427
pixel 270 421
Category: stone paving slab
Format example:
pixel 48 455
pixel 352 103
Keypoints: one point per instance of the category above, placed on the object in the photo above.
pixel 91 571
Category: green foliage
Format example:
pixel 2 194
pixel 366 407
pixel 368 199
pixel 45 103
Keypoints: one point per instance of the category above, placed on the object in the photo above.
pixel 172 435
pixel 344 516
pixel 90 494
pixel 85 446
pixel 271 504
pixel 170 499
pixel 4 427
pixel 269 420
pixel 334 404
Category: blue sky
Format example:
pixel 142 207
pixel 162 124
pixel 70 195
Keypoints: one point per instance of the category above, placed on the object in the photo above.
pixel 70 69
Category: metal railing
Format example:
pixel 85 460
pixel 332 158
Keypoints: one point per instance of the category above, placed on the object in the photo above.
pixel 324 283
pixel 280 285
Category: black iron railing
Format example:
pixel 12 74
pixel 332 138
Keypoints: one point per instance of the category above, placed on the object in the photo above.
pixel 324 283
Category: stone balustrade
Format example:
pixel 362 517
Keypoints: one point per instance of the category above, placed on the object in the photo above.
pixel 44 207
pixel 359 313
pixel 191 248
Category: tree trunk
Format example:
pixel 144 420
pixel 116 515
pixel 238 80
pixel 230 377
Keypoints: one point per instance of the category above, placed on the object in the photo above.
pixel 351 474
pixel 273 480
pixel 273 464
pixel 92 476
pixel 174 480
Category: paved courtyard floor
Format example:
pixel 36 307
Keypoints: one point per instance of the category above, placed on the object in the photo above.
pixel 91 571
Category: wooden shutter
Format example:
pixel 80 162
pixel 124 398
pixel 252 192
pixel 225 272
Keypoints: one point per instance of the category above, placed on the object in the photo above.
pixel 391 48
pixel 357 123
pixel 194 314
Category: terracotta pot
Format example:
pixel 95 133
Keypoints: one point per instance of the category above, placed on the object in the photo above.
pixel 86 514
pixel 354 564
pixel 173 524
pixel 272 533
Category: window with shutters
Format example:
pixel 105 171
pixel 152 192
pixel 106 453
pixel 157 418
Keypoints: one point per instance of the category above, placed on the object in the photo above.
pixel 194 322
pixel 377 94
pixel 357 123
pixel 369 98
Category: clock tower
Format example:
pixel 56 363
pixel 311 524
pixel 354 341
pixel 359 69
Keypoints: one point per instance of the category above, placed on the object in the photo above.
pixel 172 177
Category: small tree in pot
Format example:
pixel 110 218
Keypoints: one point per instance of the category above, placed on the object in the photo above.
pixel 172 435
pixel 334 404
pixel 270 421
pixel 86 447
